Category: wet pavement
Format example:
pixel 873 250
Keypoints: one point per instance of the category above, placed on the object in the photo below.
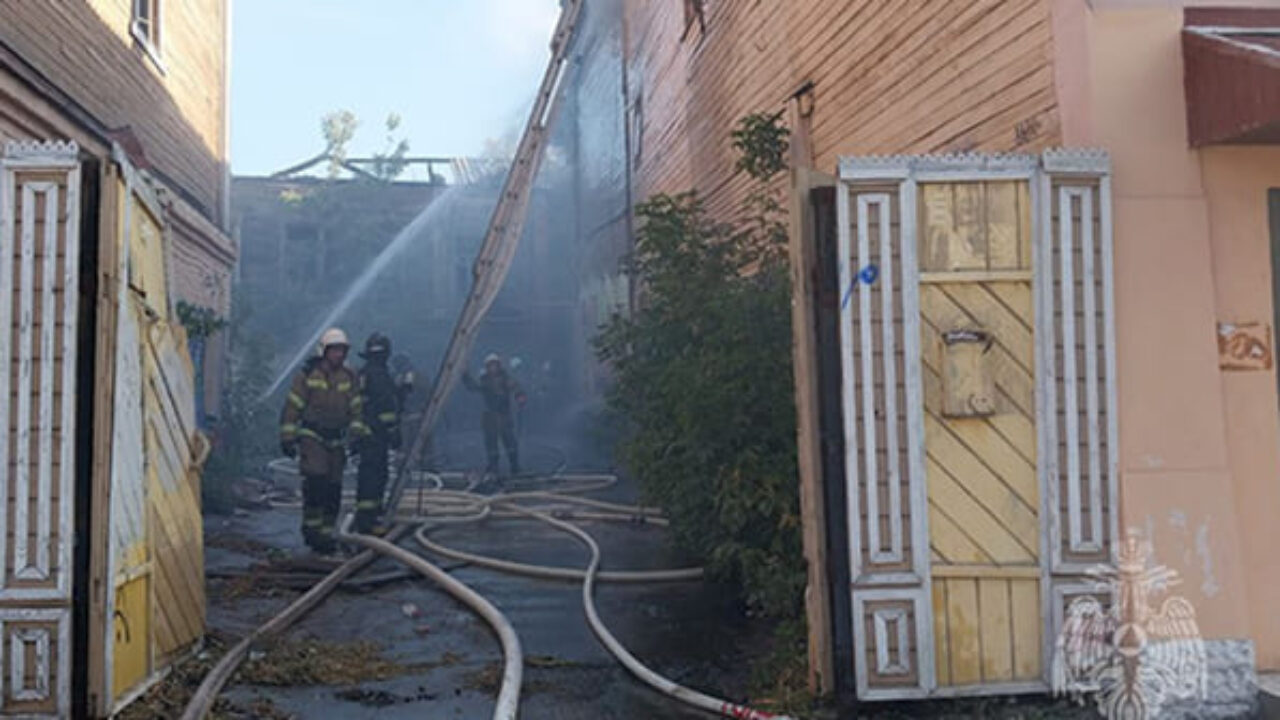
pixel 689 632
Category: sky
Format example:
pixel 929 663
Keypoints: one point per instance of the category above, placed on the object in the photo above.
pixel 458 72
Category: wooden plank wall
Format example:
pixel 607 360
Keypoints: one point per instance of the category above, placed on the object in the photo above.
pixel 890 76
pixel 85 49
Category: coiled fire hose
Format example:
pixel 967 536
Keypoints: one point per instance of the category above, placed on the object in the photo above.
pixel 447 506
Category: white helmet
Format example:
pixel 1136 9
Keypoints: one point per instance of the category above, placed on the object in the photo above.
pixel 492 357
pixel 333 336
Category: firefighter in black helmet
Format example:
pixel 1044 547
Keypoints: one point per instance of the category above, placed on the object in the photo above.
pixel 382 415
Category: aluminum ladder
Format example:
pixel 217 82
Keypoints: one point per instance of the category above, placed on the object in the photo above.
pixel 499 247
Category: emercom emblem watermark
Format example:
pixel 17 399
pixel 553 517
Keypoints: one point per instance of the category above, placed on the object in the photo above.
pixel 1117 649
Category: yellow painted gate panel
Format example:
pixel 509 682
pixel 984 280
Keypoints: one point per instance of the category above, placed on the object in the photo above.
pixel 978 352
pixel 131 629
pixel 173 494
pixel 156 552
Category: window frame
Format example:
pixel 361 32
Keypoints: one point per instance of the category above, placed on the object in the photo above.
pixel 147 34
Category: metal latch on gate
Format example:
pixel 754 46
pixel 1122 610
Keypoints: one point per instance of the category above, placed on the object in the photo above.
pixel 968 385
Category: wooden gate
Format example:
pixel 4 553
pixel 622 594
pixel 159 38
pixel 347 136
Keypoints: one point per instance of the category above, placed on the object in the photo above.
pixel 977 392
pixel 977 324
pixel 39 266
pixel 154 556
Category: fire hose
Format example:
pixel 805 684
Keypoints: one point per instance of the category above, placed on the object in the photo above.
pixel 448 507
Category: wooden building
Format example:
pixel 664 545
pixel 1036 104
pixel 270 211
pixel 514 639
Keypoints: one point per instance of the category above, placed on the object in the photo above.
pixel 1030 177
pixel 113 191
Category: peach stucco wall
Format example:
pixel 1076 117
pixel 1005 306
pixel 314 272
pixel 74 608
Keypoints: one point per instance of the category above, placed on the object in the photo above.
pixel 1200 448
pixel 1236 181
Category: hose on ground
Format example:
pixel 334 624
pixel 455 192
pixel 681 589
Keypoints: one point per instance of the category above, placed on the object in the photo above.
pixel 448 507
pixel 662 684
pixel 589 577
pixel 513 657
pixel 202 701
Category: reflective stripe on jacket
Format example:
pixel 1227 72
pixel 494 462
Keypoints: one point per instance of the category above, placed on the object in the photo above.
pixel 325 406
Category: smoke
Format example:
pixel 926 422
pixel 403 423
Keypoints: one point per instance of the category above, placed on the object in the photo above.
pixel 562 283
pixel 521 28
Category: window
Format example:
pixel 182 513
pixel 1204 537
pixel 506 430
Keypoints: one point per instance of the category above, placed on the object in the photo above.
pixel 146 28
pixel 636 136
pixel 303 257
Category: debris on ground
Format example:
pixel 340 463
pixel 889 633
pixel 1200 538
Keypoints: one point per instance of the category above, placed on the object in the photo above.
pixel 255 583
pixel 240 544
pixel 1022 707
pixel 487 679
pixel 260 709
pixel 313 662
pixel 169 696
pixel 382 698
pixel 251 493
pixel 369 698
pixel 548 661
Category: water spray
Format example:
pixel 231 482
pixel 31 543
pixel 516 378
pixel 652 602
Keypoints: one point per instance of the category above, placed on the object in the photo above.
pixel 402 241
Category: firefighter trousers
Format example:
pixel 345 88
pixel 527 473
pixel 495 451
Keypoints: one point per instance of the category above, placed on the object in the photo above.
pixel 371 482
pixel 498 426
pixel 321 465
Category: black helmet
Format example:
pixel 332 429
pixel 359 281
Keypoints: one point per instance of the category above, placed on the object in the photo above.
pixel 377 344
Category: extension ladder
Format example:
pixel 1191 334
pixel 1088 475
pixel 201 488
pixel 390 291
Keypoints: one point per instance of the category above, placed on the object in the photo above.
pixel 499 246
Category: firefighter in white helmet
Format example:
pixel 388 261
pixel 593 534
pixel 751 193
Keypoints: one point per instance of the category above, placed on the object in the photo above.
pixel 502 396
pixel 323 417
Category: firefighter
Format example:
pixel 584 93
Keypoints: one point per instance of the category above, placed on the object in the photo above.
pixel 413 393
pixel 323 417
pixel 382 416
pixel 499 391
pixel 515 370
pixel 406 379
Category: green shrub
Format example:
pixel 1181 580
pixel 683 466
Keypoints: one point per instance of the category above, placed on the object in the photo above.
pixel 704 387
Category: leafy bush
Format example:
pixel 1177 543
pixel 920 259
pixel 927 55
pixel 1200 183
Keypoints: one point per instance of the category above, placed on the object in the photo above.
pixel 201 323
pixel 703 382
